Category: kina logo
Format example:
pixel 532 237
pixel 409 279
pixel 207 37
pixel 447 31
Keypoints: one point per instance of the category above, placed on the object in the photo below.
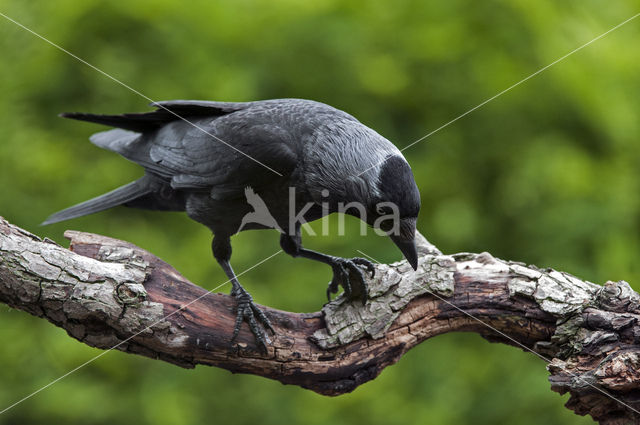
pixel 260 213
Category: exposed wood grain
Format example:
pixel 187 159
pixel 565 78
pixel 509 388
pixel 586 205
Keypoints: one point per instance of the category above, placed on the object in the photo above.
pixel 109 293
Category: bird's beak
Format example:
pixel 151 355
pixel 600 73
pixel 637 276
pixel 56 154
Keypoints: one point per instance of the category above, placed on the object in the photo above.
pixel 408 248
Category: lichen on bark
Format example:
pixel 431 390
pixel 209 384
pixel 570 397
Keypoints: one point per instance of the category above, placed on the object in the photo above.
pixel 390 291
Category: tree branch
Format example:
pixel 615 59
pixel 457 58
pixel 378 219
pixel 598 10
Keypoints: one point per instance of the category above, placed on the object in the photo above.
pixel 109 293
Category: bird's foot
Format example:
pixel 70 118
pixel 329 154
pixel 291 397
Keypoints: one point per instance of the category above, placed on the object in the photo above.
pixel 249 312
pixel 348 273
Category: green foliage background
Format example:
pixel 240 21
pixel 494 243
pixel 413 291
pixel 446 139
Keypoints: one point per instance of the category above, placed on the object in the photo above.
pixel 546 174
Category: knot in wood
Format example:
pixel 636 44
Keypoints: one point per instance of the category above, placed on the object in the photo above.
pixel 618 297
pixel 130 293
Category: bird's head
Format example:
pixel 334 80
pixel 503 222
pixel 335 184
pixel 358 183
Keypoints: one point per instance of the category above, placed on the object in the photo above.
pixel 394 204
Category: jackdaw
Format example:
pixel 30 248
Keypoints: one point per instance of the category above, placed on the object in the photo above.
pixel 218 161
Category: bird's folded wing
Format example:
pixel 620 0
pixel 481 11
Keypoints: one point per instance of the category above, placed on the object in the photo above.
pixel 225 164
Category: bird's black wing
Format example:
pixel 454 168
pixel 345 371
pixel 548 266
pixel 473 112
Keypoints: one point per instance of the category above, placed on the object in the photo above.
pixel 209 154
pixel 250 154
pixel 220 146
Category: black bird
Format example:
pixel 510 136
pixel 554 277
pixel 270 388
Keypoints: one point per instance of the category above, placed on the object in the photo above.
pixel 302 158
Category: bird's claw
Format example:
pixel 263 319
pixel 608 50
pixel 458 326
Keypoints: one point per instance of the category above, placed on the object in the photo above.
pixel 248 311
pixel 347 271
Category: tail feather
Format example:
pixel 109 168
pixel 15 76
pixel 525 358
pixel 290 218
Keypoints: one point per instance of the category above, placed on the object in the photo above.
pixel 117 140
pixel 166 112
pixel 132 122
pixel 119 196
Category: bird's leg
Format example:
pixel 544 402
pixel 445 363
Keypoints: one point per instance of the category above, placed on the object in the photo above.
pixel 247 310
pixel 346 271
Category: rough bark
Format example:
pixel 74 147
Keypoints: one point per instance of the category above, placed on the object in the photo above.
pixel 109 293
